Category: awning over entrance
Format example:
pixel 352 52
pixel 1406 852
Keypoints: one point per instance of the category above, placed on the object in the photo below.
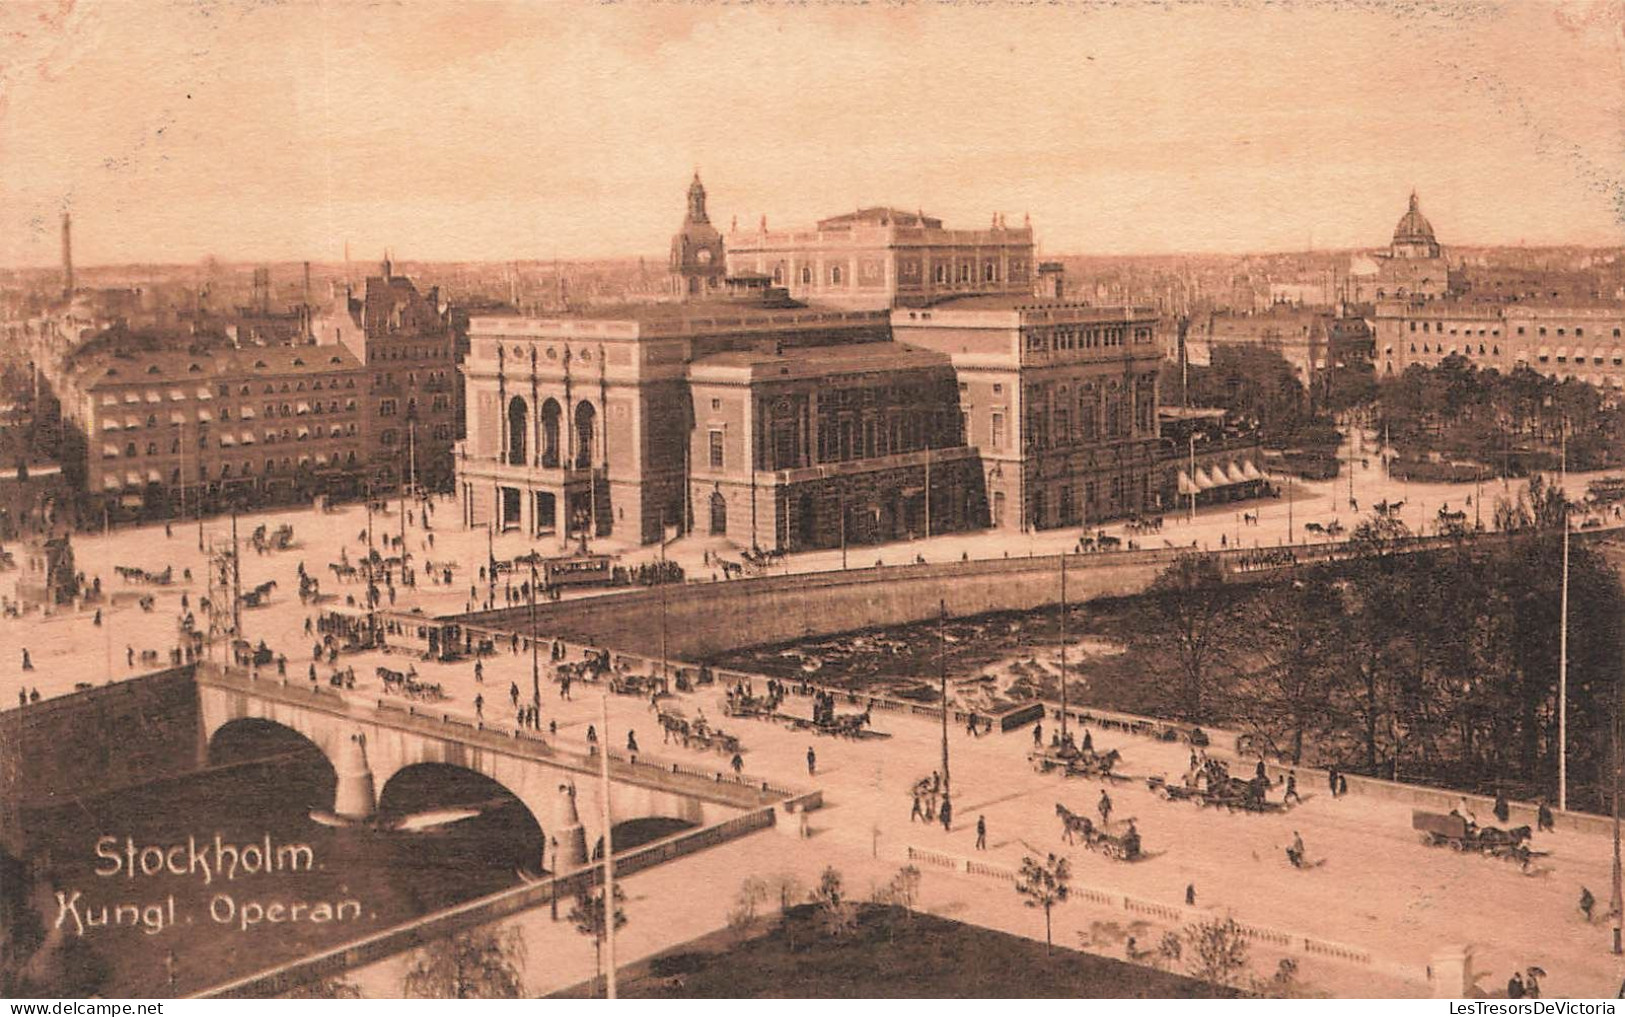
pixel 1185 485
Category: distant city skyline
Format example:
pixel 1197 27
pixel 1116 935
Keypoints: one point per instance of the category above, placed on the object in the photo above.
pixel 172 132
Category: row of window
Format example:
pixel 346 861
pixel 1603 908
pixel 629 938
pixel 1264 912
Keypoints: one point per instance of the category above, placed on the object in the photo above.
pixel 248 466
pixel 1540 330
pixel 1495 351
pixel 132 449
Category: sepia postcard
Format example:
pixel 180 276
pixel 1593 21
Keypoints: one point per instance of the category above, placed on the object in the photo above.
pixel 812 500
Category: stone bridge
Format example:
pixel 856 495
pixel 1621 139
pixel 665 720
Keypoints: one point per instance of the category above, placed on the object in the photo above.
pixel 370 742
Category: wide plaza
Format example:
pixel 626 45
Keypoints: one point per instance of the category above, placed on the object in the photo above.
pixel 1379 888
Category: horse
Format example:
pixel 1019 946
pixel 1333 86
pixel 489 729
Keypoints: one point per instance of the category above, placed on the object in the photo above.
pixel 1073 824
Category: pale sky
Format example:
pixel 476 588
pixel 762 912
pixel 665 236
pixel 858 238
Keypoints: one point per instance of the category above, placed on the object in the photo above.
pixel 258 130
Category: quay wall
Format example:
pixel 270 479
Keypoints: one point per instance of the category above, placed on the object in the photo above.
pixel 95 741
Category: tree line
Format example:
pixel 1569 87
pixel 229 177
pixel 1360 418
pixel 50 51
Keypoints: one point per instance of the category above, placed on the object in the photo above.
pixel 1438 666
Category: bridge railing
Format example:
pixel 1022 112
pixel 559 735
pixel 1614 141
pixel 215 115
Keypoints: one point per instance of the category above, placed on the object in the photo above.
pixel 740 791
pixel 334 961
pixel 1175 914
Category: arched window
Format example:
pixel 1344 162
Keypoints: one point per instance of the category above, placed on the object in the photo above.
pixel 586 418
pixel 518 415
pixel 550 432
pixel 719 514
pixel 835 275
pixel 806 275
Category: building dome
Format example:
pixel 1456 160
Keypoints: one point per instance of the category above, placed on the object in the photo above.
pixel 1414 227
pixel 1413 237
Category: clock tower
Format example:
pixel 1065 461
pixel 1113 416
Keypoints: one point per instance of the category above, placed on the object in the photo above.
pixel 697 262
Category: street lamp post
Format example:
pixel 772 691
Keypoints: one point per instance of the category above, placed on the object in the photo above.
pixel 1063 646
pixel 942 663
pixel 535 663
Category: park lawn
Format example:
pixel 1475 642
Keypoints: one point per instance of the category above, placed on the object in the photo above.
pixel 892 953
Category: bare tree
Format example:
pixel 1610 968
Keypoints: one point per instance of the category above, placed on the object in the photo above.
pixel 588 916
pixel 1044 885
pixel 481 963
pixel 1195 612
pixel 1218 951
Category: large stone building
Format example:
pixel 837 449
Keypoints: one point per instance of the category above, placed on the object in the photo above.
pixel 739 411
pixel 165 430
pixel 1059 399
pixel 1413 267
pixel 1311 341
pixel 405 341
pixel 1566 339
pixel 883 257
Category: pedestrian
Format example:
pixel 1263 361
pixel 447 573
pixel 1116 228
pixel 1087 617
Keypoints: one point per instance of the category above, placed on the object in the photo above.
pixel 1291 789
pixel 1500 809
pixel 631 741
pixel 1543 817
pixel 1515 986
pixel 1331 780
pixel 479 671
pixel 1259 773
pixel 1088 741
pixel 1295 852
pixel 946 815
pixel 981 833
pixel 918 811
pixel 22 700
pixel 1531 983
pixel 313 674
pixel 1587 903
pixel 98 619
pixel 592 736
pixel 129 655
pixel 1105 807
pixel 307 623
pixel 33 695
pixel 1342 785
pixel 1190 895
pixel 738 764
pixel 513 692
pixel 553 727
pixel 28 662
pixel 812 762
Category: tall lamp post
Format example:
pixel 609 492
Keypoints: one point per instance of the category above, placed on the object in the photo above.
pixel 942 664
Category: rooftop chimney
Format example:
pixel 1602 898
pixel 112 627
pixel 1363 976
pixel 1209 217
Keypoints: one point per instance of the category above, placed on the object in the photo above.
pixel 67 255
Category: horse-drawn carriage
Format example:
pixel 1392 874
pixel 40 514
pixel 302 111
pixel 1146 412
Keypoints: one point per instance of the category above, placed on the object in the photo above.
pixel 131 574
pixel 1123 846
pixel 259 595
pixel 1075 762
pixel 640 685
pixel 1211 784
pixel 1461 833
pixel 697 733
pixel 744 704
pixel 246 654
pixel 405 683
pixel 280 540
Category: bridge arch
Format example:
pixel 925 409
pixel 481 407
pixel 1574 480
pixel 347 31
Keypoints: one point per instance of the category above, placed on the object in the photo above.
pixel 432 791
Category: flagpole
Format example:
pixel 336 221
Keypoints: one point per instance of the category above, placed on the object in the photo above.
pixel 609 857
pixel 1563 644
pixel 1063 647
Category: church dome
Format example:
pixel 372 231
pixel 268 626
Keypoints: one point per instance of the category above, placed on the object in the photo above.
pixel 1414 227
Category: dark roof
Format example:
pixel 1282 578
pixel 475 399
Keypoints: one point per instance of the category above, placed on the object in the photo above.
pixel 822 361
pixel 168 366
pixel 879 215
